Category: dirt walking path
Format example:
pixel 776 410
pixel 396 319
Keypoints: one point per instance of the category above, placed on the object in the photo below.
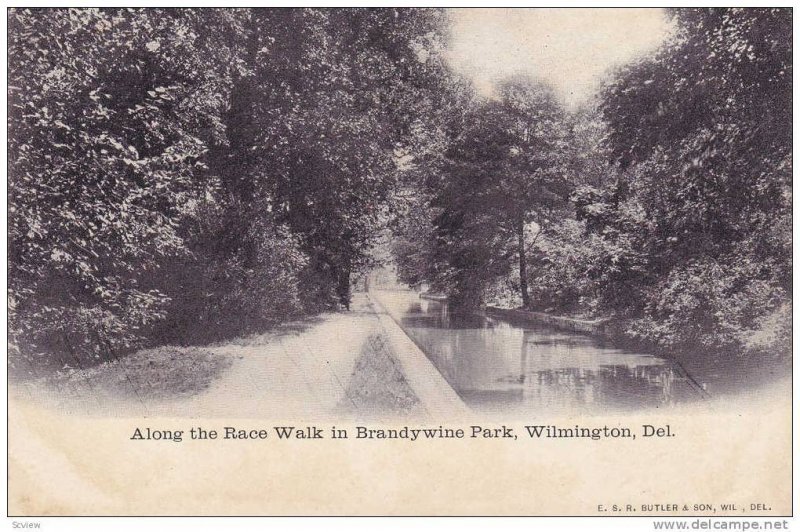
pixel 337 365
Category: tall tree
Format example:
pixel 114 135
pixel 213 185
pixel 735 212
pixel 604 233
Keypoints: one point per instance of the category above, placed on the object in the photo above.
pixel 534 184
pixel 347 95
pixel 503 175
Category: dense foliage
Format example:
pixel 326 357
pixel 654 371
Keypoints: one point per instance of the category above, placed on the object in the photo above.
pixel 679 180
pixel 702 206
pixel 181 175
pixel 499 182
pixel 178 175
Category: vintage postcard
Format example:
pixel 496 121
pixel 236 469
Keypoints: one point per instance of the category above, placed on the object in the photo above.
pixel 400 261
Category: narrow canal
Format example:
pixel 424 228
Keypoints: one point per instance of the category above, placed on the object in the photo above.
pixel 496 366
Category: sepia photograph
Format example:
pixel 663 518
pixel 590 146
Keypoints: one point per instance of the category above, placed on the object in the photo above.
pixel 294 261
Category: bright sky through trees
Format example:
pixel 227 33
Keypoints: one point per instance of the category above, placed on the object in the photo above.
pixel 570 48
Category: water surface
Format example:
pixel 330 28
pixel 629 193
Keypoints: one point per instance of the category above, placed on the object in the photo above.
pixel 497 366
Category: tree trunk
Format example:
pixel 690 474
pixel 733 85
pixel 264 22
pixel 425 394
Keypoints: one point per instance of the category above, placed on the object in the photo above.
pixel 523 265
pixel 343 287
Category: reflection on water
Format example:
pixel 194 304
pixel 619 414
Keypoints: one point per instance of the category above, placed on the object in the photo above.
pixel 494 365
